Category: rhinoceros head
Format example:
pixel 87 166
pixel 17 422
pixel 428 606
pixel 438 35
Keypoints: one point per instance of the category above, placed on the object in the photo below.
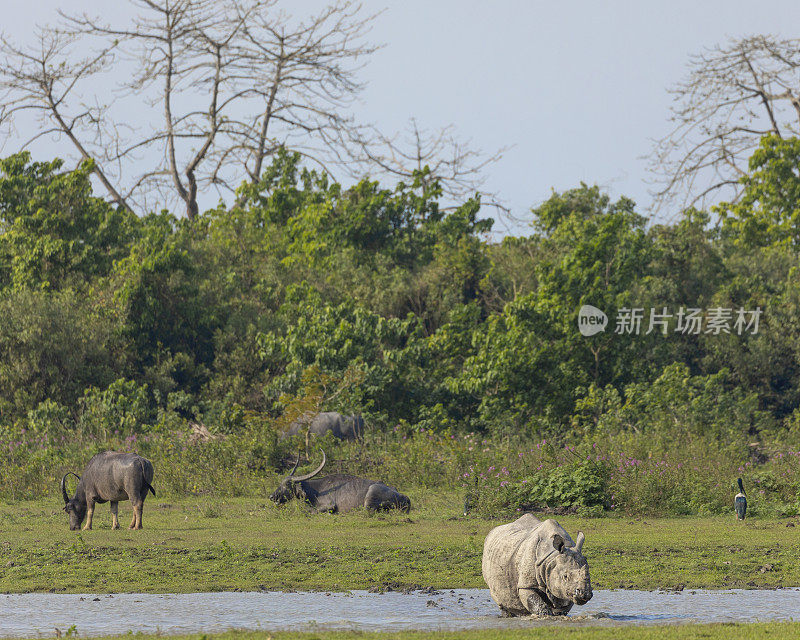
pixel 568 572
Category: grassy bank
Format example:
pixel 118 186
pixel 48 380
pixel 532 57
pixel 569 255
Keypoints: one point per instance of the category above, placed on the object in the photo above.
pixel 205 544
pixel 773 631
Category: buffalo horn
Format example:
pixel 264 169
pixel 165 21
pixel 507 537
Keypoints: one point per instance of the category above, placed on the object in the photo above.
pixel 64 485
pixel 308 476
pixel 294 468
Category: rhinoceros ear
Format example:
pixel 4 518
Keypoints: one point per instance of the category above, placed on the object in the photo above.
pixel 579 541
pixel 558 543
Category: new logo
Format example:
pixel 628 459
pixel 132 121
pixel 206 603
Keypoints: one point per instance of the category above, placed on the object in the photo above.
pixel 591 320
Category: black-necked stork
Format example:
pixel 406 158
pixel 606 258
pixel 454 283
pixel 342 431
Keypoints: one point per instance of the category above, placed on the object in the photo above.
pixel 740 502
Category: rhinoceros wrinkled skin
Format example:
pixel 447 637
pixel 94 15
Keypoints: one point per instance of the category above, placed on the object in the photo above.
pixel 342 427
pixel 535 568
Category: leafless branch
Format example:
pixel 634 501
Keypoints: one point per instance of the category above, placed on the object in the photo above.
pixel 218 87
pixel 42 79
pixel 733 95
pixel 427 157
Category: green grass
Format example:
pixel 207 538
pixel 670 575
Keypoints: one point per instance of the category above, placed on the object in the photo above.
pixel 772 631
pixel 208 544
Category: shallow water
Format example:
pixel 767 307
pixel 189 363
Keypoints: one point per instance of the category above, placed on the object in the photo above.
pixel 39 614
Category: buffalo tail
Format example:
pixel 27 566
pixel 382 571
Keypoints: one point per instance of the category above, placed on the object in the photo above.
pixel 144 479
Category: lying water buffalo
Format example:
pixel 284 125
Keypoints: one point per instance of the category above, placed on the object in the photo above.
pixel 339 493
pixel 534 568
pixel 109 476
pixel 342 427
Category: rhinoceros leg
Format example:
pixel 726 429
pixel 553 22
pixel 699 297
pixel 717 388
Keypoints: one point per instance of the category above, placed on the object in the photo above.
pixel 114 514
pixel 512 613
pixel 535 604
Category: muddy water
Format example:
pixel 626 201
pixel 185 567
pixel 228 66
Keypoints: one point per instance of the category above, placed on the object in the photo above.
pixel 30 615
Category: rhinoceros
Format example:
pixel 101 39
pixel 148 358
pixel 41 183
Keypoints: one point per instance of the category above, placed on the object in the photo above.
pixel 534 568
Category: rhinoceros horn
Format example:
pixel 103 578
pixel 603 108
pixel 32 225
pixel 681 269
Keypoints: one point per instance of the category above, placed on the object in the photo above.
pixel 579 541
pixel 308 476
pixel 64 485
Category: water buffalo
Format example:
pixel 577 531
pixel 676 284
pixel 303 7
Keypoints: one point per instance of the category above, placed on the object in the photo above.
pixel 109 476
pixel 339 493
pixel 342 427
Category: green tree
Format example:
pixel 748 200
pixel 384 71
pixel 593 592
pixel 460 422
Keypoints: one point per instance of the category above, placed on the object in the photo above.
pixel 53 345
pixel 768 212
pixel 530 361
pixel 52 230
pixel 341 338
pixel 157 289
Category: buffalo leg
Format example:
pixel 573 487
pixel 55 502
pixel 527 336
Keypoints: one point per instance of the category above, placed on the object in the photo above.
pixel 372 501
pixel 376 500
pixel 137 516
pixel 326 509
pixel 89 514
pixel 114 514
pixel 534 603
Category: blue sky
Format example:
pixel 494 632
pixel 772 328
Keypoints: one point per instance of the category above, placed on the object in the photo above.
pixel 578 88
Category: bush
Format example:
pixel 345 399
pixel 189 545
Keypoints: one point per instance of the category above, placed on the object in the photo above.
pixel 122 408
pixel 570 486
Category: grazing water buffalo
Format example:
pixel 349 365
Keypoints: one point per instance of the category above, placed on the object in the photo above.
pixel 339 493
pixel 342 427
pixel 534 568
pixel 109 477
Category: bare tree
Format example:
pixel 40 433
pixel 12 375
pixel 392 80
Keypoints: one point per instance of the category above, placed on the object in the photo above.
pixel 228 82
pixel 304 78
pixel 263 77
pixel 733 95
pixel 44 81
pixel 215 87
pixel 426 156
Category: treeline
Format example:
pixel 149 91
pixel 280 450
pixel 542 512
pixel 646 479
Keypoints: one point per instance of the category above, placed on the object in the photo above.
pixel 383 302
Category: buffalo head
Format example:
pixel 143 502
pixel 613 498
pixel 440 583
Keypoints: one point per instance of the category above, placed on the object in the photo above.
pixel 290 486
pixel 75 508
